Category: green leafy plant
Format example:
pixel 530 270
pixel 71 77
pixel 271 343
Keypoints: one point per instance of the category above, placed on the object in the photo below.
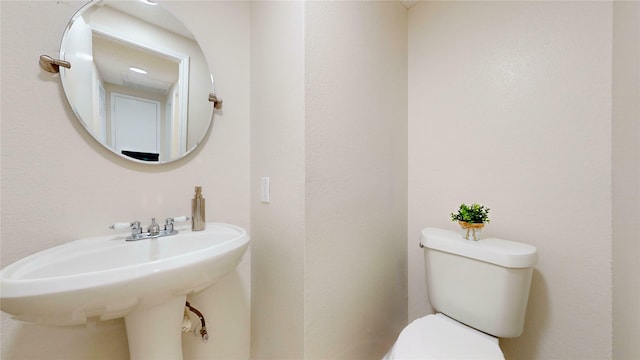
pixel 474 213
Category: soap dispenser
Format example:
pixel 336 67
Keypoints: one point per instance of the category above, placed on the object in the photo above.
pixel 197 211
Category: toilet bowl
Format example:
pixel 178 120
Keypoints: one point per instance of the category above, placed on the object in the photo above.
pixel 437 336
pixel 479 290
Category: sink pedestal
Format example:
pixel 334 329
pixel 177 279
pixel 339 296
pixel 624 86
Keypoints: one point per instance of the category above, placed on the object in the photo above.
pixel 156 332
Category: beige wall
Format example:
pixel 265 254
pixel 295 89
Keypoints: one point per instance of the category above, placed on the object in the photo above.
pixel 516 94
pixel 58 185
pixel 356 93
pixel 328 125
pixel 277 152
pixel 626 180
pixel 510 106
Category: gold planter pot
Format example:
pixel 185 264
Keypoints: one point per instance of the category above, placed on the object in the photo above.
pixel 471 230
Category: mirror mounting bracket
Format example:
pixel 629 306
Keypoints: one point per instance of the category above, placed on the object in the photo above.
pixel 49 64
pixel 217 101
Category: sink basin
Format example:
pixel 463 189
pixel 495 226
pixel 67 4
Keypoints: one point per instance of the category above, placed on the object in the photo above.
pixel 108 277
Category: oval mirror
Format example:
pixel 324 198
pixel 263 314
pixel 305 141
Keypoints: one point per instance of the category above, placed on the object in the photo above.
pixel 138 82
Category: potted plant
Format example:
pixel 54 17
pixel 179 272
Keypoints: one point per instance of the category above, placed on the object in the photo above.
pixel 472 219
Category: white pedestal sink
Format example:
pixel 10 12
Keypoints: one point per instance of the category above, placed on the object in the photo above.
pixel 144 281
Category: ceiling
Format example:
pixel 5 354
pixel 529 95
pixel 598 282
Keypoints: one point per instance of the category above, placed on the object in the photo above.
pixel 113 58
pixel 152 14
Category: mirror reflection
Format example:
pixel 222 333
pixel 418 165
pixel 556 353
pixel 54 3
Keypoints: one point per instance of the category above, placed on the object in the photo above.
pixel 138 82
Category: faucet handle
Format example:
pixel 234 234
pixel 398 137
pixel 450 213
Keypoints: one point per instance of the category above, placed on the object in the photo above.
pixel 168 223
pixel 124 225
pixel 134 226
pixel 176 219
pixel 120 226
pixel 180 219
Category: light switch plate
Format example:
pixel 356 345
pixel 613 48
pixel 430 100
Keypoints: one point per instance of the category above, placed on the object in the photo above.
pixel 264 190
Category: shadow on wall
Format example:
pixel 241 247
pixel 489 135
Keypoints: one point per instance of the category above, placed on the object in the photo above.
pixel 95 340
pixel 534 326
pixel 226 308
pixel 375 348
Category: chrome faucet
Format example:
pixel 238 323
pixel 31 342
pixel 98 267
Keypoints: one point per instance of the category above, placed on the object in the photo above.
pixel 153 230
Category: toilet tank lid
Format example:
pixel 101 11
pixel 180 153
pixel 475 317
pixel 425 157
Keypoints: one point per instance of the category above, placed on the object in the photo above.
pixel 504 253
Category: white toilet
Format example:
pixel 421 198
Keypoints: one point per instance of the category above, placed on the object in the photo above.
pixel 480 290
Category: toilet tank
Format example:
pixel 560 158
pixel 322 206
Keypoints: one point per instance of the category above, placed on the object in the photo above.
pixel 483 284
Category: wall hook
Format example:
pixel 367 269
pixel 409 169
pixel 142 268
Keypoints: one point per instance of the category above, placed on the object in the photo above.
pixel 49 64
pixel 217 102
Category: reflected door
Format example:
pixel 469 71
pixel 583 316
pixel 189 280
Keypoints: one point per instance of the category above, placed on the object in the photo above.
pixel 135 124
